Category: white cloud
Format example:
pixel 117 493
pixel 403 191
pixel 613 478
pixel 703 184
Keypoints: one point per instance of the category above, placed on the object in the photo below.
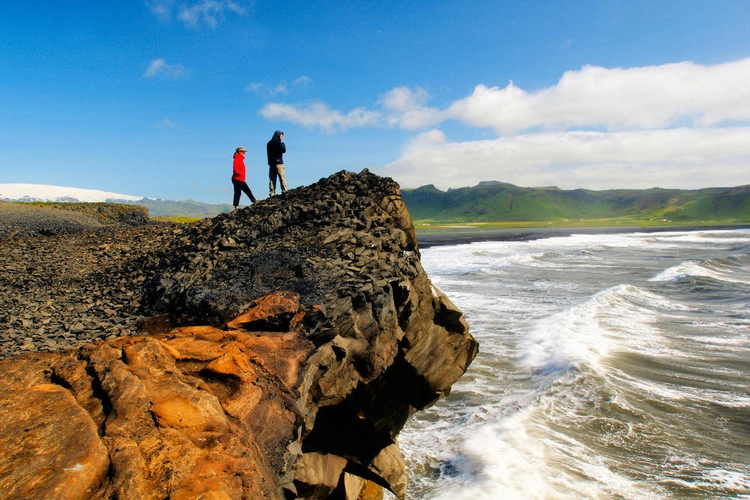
pixel 302 81
pixel 208 12
pixel 406 109
pixel 319 115
pixel 430 138
pixel 160 67
pixel 166 124
pixel 670 158
pixel 593 97
pixel 680 125
pixel 280 88
pixel 615 99
pixel 161 8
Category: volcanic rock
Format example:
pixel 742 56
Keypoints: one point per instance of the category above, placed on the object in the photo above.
pixel 271 353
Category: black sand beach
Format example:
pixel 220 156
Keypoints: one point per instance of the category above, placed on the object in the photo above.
pixel 435 237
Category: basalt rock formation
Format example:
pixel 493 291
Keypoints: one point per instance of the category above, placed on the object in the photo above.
pixel 280 351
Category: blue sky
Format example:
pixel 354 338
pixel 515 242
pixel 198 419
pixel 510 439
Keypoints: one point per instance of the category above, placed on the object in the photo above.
pixel 150 98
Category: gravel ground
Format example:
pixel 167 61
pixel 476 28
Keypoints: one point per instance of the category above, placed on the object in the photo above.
pixel 18 219
pixel 66 279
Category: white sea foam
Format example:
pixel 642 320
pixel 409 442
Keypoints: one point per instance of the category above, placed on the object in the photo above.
pixel 697 269
pixel 731 480
pixel 557 342
pixel 588 331
pixel 702 237
pixel 499 461
pixel 680 271
pixel 537 259
pixel 517 457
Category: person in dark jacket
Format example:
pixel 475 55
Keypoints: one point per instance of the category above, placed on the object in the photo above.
pixel 276 149
pixel 238 178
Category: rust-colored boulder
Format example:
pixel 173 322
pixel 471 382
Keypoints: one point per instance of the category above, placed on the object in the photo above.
pixel 196 412
pixel 49 446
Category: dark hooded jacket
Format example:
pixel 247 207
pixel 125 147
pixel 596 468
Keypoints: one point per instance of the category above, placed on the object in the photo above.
pixel 276 149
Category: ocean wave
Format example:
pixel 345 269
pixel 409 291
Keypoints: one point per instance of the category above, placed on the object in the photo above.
pixel 587 332
pixel 713 482
pixel 533 259
pixel 505 458
pixel 593 380
pixel 734 269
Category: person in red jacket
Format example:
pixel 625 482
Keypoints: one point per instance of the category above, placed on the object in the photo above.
pixel 238 178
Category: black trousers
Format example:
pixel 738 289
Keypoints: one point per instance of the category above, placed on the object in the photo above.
pixel 239 188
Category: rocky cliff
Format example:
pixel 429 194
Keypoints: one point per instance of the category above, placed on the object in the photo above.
pixel 278 353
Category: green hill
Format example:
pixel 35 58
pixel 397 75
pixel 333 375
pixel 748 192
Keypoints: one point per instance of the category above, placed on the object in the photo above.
pixel 185 208
pixel 502 202
pixel 123 211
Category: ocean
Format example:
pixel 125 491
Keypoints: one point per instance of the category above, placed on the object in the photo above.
pixel 610 366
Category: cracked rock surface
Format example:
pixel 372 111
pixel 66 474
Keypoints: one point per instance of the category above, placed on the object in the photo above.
pixel 272 353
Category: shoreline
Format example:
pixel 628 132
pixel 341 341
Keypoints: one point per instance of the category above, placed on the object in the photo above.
pixel 443 237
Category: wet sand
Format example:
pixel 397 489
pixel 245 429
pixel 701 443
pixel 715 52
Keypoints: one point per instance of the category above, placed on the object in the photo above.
pixel 459 236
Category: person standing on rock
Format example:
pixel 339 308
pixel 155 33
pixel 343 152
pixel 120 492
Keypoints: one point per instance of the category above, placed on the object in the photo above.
pixel 276 149
pixel 238 178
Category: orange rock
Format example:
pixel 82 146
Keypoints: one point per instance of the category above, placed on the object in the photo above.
pixel 277 311
pixel 194 413
pixel 201 412
pixel 49 446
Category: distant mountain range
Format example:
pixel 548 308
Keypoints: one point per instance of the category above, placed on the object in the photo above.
pixel 498 201
pixel 185 208
pixel 156 207
pixel 486 202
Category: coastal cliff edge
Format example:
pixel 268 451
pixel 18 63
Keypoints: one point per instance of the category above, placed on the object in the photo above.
pixel 275 352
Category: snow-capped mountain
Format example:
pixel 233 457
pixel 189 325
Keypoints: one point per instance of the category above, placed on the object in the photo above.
pixel 44 192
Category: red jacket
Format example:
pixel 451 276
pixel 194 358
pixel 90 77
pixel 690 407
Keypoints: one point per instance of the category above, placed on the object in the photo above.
pixel 238 173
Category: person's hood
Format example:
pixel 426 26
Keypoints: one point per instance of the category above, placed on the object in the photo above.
pixel 277 134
